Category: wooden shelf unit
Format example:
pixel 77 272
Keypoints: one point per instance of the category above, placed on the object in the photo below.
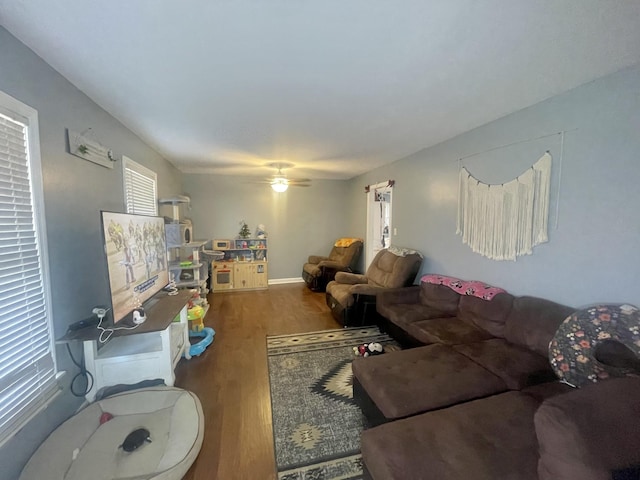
pixel 243 267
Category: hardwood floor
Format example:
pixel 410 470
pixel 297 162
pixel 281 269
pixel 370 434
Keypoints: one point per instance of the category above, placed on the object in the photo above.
pixel 231 377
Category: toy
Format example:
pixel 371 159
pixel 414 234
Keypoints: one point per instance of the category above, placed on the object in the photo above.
pixel 368 349
pixel 195 314
pixel 261 231
pixel 207 334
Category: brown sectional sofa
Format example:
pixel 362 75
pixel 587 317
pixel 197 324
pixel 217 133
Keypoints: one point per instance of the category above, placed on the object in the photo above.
pixel 546 432
pixel 462 403
pixel 479 349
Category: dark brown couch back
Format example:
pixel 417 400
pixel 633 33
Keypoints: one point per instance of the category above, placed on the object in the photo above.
pixel 490 315
pixel 533 322
pixel 440 297
pixel 590 431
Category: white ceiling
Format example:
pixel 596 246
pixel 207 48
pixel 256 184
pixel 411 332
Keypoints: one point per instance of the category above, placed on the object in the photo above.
pixel 337 87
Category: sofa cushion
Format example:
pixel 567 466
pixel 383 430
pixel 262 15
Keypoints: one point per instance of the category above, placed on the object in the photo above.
pixel 542 391
pixel 341 292
pixel 403 314
pixel 533 322
pixel 311 269
pixel 488 439
pixel 490 315
pixel 439 297
pixel 516 366
pixel 383 268
pixel 389 270
pixel 590 431
pixel 448 331
pixel 420 379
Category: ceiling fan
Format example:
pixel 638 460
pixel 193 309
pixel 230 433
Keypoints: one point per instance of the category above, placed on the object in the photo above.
pixel 280 182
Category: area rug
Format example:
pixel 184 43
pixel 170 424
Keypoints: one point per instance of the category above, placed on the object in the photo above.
pixel 316 424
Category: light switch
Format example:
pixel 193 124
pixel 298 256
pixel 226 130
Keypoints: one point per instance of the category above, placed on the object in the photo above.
pixel 395 231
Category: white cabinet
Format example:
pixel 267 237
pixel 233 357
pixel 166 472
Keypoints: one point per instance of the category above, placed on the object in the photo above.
pixel 133 356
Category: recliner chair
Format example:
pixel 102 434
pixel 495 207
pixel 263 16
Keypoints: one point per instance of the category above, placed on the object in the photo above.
pixel 352 297
pixel 344 256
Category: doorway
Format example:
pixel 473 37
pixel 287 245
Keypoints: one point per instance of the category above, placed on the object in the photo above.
pixel 379 199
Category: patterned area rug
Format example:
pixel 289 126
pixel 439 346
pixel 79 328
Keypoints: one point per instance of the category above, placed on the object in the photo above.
pixel 316 423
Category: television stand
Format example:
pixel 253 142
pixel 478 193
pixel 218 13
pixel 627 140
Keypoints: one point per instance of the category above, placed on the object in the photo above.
pixel 148 352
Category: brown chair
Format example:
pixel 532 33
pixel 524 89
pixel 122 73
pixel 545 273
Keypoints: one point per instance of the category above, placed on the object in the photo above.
pixel 344 256
pixel 352 297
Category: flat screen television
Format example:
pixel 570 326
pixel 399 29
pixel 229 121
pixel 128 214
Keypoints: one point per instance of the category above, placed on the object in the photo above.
pixel 135 247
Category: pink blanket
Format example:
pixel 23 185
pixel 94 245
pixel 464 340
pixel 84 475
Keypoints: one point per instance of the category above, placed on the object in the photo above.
pixel 464 287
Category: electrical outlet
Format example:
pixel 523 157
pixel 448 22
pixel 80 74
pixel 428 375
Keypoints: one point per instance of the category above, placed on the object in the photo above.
pixel 395 231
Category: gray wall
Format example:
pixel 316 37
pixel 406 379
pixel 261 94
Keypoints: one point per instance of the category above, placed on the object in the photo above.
pixel 592 255
pixel 299 222
pixel 75 191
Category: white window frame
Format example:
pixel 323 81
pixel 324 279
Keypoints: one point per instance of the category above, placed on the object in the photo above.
pixel 129 168
pixel 21 113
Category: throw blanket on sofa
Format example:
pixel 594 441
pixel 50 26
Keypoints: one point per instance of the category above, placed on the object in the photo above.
pixel 402 252
pixel 346 242
pixel 464 287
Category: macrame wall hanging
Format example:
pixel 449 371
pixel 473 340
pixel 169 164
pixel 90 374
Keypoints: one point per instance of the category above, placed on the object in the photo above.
pixel 505 221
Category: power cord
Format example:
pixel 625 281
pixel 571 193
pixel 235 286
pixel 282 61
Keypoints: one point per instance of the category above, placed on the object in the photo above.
pixel 84 373
pixel 105 333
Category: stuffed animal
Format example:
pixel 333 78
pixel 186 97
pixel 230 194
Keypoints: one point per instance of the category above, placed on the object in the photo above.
pixel 368 349
pixel 261 232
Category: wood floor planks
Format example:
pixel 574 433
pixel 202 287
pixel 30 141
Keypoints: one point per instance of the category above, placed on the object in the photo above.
pixel 231 377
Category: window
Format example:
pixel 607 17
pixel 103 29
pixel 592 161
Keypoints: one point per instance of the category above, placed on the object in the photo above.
pixel 27 364
pixel 140 190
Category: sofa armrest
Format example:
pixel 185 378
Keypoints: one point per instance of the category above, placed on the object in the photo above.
pixel 590 432
pixel 350 278
pixel 315 259
pixel 366 289
pixel 330 264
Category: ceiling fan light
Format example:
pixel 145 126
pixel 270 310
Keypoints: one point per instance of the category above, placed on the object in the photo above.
pixel 280 185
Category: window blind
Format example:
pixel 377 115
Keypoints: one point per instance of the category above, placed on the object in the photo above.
pixel 27 367
pixel 140 189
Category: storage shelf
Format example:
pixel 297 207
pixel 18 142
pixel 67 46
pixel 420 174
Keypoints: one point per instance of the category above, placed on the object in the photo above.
pixel 177 266
pixel 244 266
pixel 191 284
pixel 132 345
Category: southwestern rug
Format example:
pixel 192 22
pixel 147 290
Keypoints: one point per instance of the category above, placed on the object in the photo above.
pixel 316 424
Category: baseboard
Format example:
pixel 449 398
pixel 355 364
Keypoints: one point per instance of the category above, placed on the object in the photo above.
pixel 280 281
